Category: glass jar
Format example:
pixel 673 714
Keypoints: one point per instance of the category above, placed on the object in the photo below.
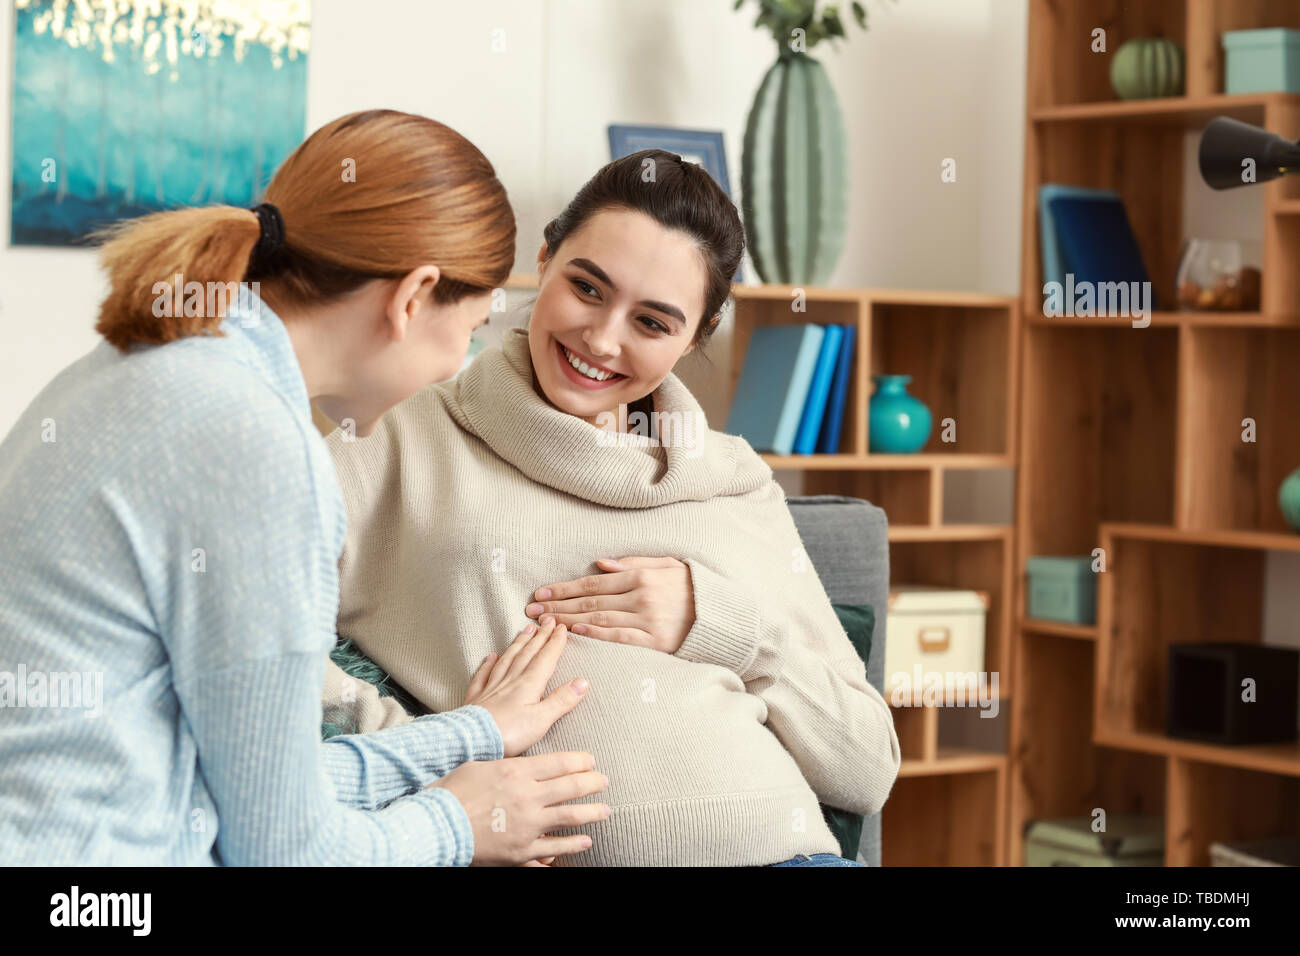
pixel 1220 275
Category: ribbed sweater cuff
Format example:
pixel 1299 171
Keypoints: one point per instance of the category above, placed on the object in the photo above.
pixel 440 807
pixel 482 736
pixel 726 622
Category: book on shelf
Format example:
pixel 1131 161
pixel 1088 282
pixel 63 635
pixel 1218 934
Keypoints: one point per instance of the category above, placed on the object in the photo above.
pixel 787 395
pixel 814 406
pixel 1086 239
pixel 828 441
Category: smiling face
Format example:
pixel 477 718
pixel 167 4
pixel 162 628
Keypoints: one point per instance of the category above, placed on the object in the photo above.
pixel 618 304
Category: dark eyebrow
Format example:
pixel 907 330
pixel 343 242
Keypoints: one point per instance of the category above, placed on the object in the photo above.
pixel 599 273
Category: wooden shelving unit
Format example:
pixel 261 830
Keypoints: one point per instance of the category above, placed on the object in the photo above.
pixel 1130 439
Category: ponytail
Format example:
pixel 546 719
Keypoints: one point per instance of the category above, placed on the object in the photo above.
pixel 142 256
pixel 371 195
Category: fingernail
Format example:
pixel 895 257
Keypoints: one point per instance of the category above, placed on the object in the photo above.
pixel 586 843
pixel 606 776
pixel 533 609
pixel 580 686
pixel 608 810
pixel 548 619
pixel 531 629
pixel 580 629
pixel 544 594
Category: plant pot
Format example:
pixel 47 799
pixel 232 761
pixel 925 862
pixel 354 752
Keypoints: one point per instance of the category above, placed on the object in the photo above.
pixel 793 174
pixel 898 423
pixel 1288 499
pixel 1147 68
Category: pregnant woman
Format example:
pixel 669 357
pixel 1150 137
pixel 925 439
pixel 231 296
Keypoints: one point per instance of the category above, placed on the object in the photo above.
pixel 726 700
pixel 171 526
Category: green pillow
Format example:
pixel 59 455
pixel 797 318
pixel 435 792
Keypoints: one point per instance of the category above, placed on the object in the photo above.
pixel 858 621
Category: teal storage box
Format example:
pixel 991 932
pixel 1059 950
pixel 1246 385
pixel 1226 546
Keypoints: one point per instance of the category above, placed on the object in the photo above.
pixel 1129 840
pixel 1062 589
pixel 1261 61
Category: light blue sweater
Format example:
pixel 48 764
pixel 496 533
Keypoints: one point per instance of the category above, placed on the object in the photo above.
pixel 170 528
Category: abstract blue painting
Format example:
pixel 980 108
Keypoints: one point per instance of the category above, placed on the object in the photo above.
pixel 126 107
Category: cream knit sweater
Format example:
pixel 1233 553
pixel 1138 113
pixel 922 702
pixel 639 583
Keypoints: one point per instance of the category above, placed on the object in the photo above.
pixel 476 492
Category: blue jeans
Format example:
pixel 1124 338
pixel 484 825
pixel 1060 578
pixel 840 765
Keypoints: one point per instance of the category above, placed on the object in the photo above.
pixel 817 859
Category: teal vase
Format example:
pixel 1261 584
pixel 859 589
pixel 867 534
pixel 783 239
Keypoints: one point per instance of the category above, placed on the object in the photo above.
pixel 794 174
pixel 899 423
pixel 1288 499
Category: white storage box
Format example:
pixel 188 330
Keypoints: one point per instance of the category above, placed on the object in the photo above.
pixel 937 631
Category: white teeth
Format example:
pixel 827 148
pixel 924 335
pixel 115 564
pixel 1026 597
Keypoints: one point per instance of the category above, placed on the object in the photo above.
pixel 584 368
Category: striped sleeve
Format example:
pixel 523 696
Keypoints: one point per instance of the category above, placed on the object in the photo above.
pixel 370 770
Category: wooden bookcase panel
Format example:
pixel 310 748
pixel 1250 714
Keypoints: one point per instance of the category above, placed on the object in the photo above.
pixel 1209 803
pixel 1279 282
pixel 1230 483
pixel 752 311
pixel 944 820
pixel 1155 593
pixel 918 732
pixel 1063 67
pixel 1098 431
pixel 1143 163
pixel 978 564
pixel 1057 770
pixel 1207 20
pixel 907 497
pixel 959 358
pixel 1064 70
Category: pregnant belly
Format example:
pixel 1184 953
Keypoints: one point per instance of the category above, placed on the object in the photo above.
pixel 695 778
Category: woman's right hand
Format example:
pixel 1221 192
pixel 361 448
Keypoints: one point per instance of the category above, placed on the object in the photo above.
pixel 510 687
pixel 510 804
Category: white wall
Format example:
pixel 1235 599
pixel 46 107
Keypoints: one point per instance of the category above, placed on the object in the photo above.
pixel 930 79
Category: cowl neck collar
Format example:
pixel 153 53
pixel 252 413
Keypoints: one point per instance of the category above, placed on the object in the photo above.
pixel 494 398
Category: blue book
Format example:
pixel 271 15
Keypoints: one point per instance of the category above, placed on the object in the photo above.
pixel 814 407
pixel 1049 243
pixel 828 442
pixel 773 384
pixel 1097 242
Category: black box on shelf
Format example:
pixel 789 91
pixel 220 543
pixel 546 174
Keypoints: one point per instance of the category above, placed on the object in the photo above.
pixel 1207 700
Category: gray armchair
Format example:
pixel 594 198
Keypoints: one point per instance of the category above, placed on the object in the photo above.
pixel 848 544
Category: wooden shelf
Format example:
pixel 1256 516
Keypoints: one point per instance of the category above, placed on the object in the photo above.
pixel 1181 111
pixel 1282 759
pixel 1212 320
pixel 1083 632
pixel 1254 540
pixel 869 462
pixel 950 532
pixel 953 760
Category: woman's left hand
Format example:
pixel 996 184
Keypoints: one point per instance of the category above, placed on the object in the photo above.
pixel 637 600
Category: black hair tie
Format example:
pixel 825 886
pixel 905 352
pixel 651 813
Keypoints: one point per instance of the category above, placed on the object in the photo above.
pixel 272 239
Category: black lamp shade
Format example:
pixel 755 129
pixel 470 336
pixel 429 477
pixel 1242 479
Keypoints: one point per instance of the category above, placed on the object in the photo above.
pixel 1227 142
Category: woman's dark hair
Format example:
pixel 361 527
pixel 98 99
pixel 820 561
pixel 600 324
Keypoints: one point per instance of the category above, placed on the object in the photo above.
pixel 675 194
